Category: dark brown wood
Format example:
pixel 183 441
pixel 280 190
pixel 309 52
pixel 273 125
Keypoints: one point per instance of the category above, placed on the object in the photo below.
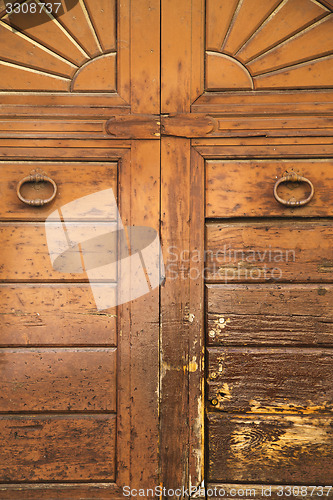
pixel 33 315
pixel 175 314
pixel 270 251
pixel 272 449
pixel 288 315
pixel 58 380
pixel 245 188
pixel 40 448
pixel 272 380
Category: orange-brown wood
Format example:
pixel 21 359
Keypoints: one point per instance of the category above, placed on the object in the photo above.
pixel 252 97
pixel 26 253
pixel 92 177
pixel 245 188
pixel 34 380
pixel 34 315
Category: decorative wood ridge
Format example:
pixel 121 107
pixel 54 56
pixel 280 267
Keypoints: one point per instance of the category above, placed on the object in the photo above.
pixel 155 126
pixel 195 125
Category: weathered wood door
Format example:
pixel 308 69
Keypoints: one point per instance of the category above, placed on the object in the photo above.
pixel 79 384
pixel 190 111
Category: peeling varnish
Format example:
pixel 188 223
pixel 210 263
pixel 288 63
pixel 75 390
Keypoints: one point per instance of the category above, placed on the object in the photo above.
pixel 220 323
pixel 297 438
pixel 307 409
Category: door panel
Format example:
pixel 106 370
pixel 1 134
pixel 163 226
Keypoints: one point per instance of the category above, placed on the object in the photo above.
pixel 189 111
pixel 42 448
pixel 268 315
pixel 79 398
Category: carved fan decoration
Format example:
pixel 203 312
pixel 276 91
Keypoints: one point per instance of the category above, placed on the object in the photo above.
pixel 269 44
pixel 72 52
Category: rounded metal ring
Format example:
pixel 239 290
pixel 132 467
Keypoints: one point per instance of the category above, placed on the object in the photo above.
pixel 293 177
pixel 36 177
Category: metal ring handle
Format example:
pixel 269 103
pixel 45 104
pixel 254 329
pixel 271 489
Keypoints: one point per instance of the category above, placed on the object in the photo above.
pixel 293 177
pixel 36 177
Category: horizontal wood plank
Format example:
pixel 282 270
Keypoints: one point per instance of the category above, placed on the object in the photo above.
pixel 57 448
pixel 273 491
pixel 271 449
pixel 62 491
pixel 55 314
pixel 282 380
pixel 73 180
pixel 245 188
pixel 57 380
pixel 26 251
pixel 269 251
pixel 293 315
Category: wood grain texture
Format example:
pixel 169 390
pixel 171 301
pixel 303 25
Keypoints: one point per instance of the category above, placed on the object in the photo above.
pixel 245 188
pixel 268 315
pixel 57 380
pixel 175 314
pixel 62 491
pixel 26 253
pixel 92 177
pixel 56 314
pixel 270 449
pixel 281 380
pixel 274 491
pixel 42 448
pixel 262 251
pixel 138 346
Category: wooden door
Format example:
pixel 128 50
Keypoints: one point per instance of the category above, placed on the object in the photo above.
pixel 245 101
pixel 76 421
pixel 190 111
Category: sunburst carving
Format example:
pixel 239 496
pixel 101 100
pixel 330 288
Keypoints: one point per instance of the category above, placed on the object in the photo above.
pixel 271 44
pixel 75 52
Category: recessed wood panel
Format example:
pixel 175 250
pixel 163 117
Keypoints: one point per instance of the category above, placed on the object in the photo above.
pixel 57 380
pixel 268 45
pixel 73 180
pixel 292 315
pixel 26 251
pixel 281 380
pixel 269 251
pixel 271 449
pixel 57 448
pixel 55 314
pixel 245 188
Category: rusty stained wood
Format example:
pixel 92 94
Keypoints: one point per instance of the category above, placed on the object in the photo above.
pixel 270 251
pixel 276 449
pixel 57 448
pixel 55 314
pixel 58 380
pixel 269 315
pixel 244 188
pixel 271 380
